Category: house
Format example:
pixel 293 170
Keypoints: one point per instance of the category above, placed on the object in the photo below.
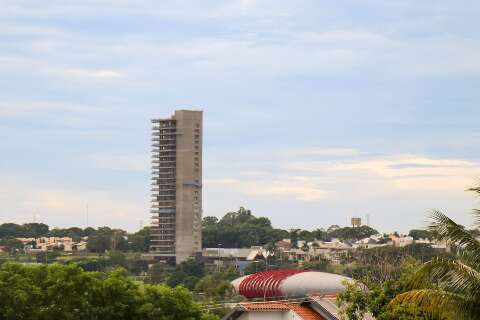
pixel 372 242
pixel 401 241
pixel 284 245
pixel 79 246
pixel 48 243
pixel 272 310
pixel 312 307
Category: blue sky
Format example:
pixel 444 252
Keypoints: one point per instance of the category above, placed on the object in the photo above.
pixel 315 111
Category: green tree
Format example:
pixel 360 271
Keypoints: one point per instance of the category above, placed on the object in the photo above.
pixel 117 259
pixel 357 299
pixel 420 234
pixel 164 303
pixel 457 279
pixel 319 265
pixel 12 244
pixel 157 273
pixel 305 247
pixel 214 287
pixel 41 292
pixel 255 266
pixel 351 233
pixel 99 242
pixel 140 240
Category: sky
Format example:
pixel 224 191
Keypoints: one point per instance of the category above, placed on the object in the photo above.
pixel 314 111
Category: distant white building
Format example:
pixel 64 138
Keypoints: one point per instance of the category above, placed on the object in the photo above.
pixel 50 243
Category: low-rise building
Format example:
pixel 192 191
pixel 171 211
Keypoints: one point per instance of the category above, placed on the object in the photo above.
pixel 312 307
pixel 401 241
pixel 48 243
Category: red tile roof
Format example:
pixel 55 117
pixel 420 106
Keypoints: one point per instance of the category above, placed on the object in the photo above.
pixel 303 312
pixel 266 306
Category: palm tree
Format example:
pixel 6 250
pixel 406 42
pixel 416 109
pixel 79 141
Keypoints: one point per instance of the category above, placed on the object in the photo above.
pixel 449 287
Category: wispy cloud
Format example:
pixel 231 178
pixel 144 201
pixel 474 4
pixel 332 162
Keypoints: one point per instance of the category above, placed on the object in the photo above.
pixel 329 152
pixel 418 172
pixel 293 188
pixel 24 198
pixel 20 108
pixel 91 73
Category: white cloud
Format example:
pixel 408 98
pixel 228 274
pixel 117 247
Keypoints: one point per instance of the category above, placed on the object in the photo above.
pixel 91 73
pixel 303 178
pixel 330 152
pixel 419 172
pixel 21 199
pixel 38 107
pixel 298 188
pixel 410 172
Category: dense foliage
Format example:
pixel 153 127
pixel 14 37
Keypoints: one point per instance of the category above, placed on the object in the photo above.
pixel 41 292
pixel 456 293
pixel 242 229
pixel 356 300
pixel 239 230
pixel 384 263
pixel 99 240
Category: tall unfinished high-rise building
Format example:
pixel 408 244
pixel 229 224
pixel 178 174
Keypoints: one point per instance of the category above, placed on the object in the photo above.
pixel 176 232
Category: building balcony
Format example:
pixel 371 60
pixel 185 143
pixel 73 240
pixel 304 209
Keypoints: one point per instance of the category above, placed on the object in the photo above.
pixel 165 158
pixel 164 130
pixel 162 137
pixel 170 185
pixel 157 210
pixel 164 198
pixel 163 165
pixel 164 190
pixel 164 204
pixel 165 175
pixel 163 180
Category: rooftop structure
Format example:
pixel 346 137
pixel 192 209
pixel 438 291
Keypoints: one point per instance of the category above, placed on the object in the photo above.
pixel 311 307
pixel 288 283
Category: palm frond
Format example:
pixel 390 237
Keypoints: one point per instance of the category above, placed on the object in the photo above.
pixel 476 212
pixel 451 275
pixel 447 229
pixel 475 189
pixel 440 303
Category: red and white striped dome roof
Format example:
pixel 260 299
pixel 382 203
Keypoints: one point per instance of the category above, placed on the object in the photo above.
pixel 288 283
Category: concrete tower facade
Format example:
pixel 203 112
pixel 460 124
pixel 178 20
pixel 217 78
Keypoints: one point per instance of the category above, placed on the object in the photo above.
pixel 177 186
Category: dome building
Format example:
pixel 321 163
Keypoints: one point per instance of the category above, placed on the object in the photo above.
pixel 292 295
pixel 288 283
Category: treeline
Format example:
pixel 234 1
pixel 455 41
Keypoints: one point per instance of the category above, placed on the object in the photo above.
pixel 242 229
pixel 36 292
pixel 99 240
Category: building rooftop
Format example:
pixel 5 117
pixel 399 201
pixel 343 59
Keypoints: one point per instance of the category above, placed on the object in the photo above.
pixel 303 312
